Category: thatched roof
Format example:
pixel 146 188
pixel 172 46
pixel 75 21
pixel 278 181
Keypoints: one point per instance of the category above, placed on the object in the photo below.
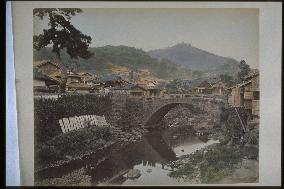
pixel 40 63
pixel 40 76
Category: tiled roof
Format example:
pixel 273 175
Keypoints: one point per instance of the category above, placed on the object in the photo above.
pixel 244 83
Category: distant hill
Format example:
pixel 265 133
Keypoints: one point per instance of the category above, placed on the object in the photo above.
pixel 109 59
pixel 196 59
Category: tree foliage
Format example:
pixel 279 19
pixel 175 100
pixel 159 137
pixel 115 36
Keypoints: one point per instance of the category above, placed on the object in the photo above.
pixel 244 70
pixel 227 79
pixel 61 33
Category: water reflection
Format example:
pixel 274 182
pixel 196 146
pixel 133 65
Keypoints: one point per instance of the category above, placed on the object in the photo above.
pixel 151 157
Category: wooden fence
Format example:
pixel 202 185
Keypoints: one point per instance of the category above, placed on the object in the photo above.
pixel 79 122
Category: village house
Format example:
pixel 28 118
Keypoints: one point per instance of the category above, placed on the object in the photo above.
pixel 78 88
pixel 203 88
pixel 75 84
pixel 219 88
pixel 44 83
pixel 151 87
pixel 130 89
pixel 138 91
pixel 152 91
pixel 112 81
pixel 121 71
pixel 87 78
pixel 246 94
pixel 74 78
pixel 47 67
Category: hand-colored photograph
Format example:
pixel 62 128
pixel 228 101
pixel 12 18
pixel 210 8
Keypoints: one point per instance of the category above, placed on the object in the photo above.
pixel 145 96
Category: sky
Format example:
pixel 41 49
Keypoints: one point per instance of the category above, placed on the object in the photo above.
pixel 226 32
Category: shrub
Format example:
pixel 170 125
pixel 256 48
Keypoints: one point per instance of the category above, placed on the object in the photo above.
pixel 47 112
pixel 213 165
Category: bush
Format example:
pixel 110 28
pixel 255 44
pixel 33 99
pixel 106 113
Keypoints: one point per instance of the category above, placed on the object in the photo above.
pixel 47 112
pixel 47 154
pixel 213 165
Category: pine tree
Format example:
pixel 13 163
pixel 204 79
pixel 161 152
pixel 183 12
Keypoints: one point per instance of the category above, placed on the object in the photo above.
pixel 61 34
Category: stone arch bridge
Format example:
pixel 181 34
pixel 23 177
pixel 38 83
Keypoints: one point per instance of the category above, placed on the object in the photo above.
pixel 148 112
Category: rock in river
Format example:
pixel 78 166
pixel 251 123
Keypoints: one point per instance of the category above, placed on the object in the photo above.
pixel 149 170
pixel 133 174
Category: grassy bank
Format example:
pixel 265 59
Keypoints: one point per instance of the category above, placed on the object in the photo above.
pixel 72 144
pixel 47 112
pixel 208 165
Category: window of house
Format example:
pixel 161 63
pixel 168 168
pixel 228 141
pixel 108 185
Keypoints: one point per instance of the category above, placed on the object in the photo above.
pixel 256 95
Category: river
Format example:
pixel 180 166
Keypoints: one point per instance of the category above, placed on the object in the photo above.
pixel 151 157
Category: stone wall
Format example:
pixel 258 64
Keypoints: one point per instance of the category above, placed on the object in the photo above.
pixel 129 112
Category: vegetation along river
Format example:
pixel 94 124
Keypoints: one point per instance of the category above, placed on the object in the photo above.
pixel 175 155
pixel 150 159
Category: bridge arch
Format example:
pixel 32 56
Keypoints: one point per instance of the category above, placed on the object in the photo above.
pixel 158 115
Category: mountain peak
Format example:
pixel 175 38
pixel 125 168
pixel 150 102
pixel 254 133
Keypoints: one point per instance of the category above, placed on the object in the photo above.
pixel 189 56
pixel 181 45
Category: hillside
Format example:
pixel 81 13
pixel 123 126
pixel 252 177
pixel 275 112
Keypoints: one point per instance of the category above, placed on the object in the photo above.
pixel 196 59
pixel 112 59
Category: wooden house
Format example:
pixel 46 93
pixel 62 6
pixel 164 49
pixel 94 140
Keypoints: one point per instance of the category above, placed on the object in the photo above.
pixel 112 81
pixel 151 91
pixel 87 78
pixel 75 84
pixel 47 67
pixel 138 91
pixel 78 88
pixel 73 79
pixel 219 88
pixel 246 94
pixel 237 94
pixel 44 83
pixel 203 88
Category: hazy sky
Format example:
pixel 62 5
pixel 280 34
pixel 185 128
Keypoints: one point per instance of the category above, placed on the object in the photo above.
pixel 225 32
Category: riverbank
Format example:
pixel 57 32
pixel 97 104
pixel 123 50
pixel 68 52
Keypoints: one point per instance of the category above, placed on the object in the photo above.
pixel 216 163
pixel 76 148
pixel 95 155
pixel 233 160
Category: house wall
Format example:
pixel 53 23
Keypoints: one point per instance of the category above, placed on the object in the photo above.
pixel 248 104
pixel 73 80
pixel 154 93
pixel 82 91
pixel 255 101
pixel 39 83
pixel 255 107
pixel 236 97
pixel 247 96
pixel 255 83
pixel 218 90
pixel 137 92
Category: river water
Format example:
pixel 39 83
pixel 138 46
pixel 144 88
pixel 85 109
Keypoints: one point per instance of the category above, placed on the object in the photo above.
pixel 151 157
